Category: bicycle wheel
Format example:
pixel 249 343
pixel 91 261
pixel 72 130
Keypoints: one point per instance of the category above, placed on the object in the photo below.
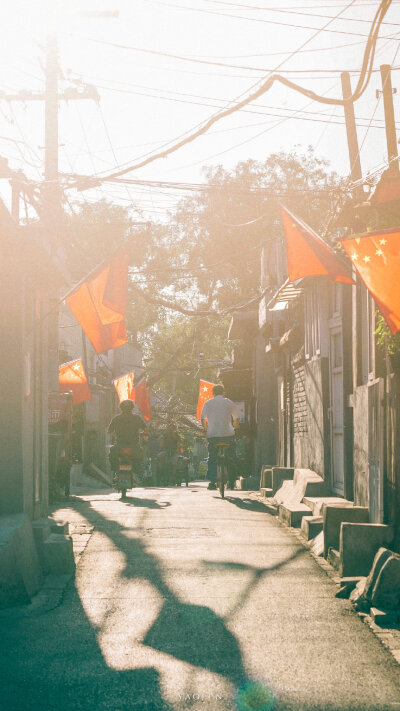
pixel 222 479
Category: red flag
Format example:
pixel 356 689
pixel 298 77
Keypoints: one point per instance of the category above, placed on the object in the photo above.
pixel 72 376
pixel 376 257
pixel 141 395
pixel 307 254
pixel 99 304
pixel 125 387
pixel 205 393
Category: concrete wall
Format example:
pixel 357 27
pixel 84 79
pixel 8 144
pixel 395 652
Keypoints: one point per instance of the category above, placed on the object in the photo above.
pixel 317 393
pixel 360 456
pixel 265 387
pixel 311 427
pixel 300 415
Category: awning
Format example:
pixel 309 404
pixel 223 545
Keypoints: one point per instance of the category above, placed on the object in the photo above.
pixel 287 293
pixel 243 324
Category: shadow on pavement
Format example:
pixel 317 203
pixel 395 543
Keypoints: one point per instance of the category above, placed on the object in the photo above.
pixel 248 504
pixel 145 503
pixel 191 633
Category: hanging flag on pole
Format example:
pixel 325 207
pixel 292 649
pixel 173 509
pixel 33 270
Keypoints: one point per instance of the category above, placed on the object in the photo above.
pixel 125 387
pixel 205 393
pixel 141 395
pixel 376 257
pixel 307 254
pixel 99 303
pixel 72 377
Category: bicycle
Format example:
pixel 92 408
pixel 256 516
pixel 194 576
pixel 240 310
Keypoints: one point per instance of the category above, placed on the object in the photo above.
pixel 222 467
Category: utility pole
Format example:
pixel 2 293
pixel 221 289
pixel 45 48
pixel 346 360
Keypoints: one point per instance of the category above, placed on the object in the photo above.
pixel 351 130
pixel 387 93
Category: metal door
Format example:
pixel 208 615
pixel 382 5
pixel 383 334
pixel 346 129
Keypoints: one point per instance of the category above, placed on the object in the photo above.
pixel 375 450
pixel 336 410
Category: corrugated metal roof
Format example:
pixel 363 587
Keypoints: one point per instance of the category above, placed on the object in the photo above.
pixel 289 291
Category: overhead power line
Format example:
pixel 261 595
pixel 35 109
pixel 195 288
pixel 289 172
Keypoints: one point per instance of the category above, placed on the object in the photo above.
pixel 365 74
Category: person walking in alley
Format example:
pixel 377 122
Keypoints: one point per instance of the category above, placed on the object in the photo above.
pixel 220 419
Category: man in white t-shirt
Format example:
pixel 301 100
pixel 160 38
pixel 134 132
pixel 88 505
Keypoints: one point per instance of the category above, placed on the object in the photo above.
pixel 220 418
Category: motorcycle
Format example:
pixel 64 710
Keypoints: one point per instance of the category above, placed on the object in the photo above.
pixel 125 477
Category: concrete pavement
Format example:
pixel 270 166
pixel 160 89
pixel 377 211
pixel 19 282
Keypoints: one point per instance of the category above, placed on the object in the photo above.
pixel 185 601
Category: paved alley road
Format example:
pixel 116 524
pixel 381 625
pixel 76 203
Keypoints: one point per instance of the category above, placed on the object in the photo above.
pixel 184 601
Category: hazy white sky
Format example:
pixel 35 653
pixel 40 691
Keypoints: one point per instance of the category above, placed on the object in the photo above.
pixel 148 99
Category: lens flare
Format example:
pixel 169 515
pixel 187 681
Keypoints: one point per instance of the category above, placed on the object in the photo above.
pixel 255 697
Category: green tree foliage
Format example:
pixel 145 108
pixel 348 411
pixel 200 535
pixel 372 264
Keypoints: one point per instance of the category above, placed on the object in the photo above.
pixel 206 257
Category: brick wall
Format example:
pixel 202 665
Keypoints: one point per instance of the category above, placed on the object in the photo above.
pixel 299 400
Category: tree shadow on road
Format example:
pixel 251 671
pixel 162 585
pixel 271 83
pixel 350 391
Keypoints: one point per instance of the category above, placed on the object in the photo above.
pixel 190 633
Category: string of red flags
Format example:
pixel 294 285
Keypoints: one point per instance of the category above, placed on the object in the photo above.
pixel 205 393
pixel 72 377
pixel 376 258
pixel 99 303
pixel 307 254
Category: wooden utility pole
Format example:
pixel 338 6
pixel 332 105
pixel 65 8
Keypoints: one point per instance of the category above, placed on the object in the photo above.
pixel 351 130
pixel 388 92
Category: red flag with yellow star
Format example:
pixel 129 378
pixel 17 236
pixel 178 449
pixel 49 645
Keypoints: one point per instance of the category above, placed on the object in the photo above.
pixel 376 257
pixel 205 393
pixel 72 377
pixel 99 303
pixel 307 254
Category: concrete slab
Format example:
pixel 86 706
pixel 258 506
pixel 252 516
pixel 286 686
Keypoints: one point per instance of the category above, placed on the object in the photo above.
pixel 316 503
pixel 292 514
pixel 333 517
pixel 58 554
pixel 359 542
pixel 382 587
pixel 264 491
pixel 19 564
pixel 266 475
pixel 334 558
pixel 279 475
pixel 310 526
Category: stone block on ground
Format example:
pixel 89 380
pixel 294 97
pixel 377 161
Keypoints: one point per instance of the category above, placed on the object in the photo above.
pixel 19 563
pixel 333 516
pixel 382 588
pixel 266 476
pixel 58 554
pixel 292 514
pixel 359 543
pixel 279 475
pixel 266 493
pixel 316 503
pixel 310 525
pixel 304 482
pixel 317 544
pixel 60 527
pixel 41 531
pixel 334 558
pixel 383 618
pixel 250 483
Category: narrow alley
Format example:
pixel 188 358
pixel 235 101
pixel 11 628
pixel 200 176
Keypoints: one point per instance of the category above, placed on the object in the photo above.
pixel 183 600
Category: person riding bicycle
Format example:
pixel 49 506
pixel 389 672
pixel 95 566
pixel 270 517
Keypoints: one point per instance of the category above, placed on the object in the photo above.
pixel 220 418
pixel 126 428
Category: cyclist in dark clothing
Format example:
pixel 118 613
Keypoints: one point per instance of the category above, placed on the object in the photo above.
pixel 126 428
